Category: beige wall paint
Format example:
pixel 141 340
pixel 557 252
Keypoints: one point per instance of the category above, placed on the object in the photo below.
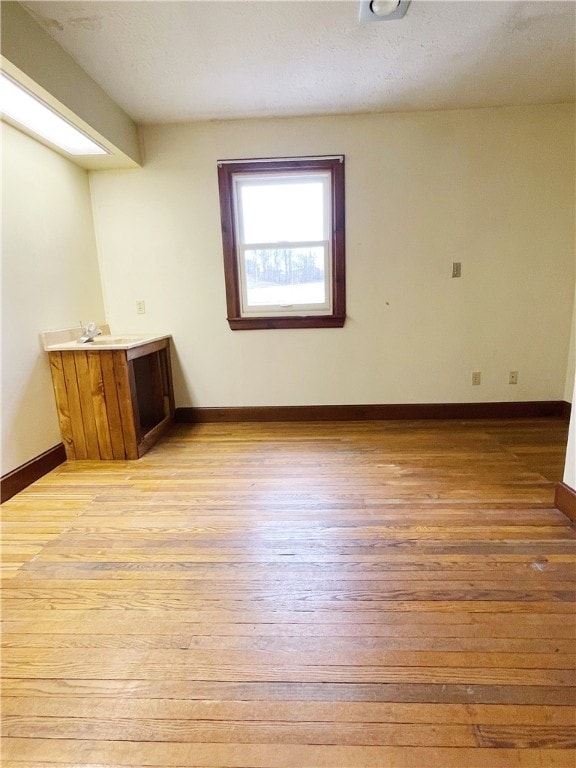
pixel 491 188
pixel 570 395
pixel 50 280
pixel 570 466
pixel 571 367
pixel 36 61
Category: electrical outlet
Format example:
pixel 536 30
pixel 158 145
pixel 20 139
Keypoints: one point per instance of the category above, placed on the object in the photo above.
pixel 456 269
pixel 513 378
pixel 476 377
pixel 140 307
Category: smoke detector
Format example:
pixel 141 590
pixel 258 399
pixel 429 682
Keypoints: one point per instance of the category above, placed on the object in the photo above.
pixel 383 10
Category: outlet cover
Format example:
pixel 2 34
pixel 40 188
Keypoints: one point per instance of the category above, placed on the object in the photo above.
pixel 456 269
pixel 513 378
pixel 476 377
pixel 141 307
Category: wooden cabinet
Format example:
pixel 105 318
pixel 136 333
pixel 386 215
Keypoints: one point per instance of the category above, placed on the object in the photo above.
pixel 113 404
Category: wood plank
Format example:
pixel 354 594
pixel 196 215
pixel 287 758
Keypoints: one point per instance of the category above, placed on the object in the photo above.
pixel 435 693
pixel 123 389
pixel 247 732
pixel 552 624
pixel 112 405
pixel 235 641
pixel 291 599
pixel 523 737
pixel 167 382
pixel 260 587
pixel 62 405
pixel 285 712
pixel 319 615
pixel 87 405
pixel 362 540
pixel 138 667
pixel 285 661
pixel 74 405
pixel 153 435
pixel 131 624
pixel 221 575
pixel 96 378
pixel 182 755
pixel 130 409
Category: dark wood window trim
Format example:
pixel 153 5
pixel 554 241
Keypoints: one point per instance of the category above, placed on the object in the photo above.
pixel 226 171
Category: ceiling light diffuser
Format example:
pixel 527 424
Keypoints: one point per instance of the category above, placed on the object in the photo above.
pixel 383 10
pixel 27 110
pixel 384 7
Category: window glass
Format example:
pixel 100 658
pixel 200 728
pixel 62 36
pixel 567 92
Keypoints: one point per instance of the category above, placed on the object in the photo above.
pixel 283 277
pixel 272 212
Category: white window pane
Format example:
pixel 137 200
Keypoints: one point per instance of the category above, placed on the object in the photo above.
pixel 285 276
pixel 273 213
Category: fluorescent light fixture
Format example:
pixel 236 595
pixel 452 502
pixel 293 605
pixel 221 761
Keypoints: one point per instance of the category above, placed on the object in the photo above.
pixel 27 110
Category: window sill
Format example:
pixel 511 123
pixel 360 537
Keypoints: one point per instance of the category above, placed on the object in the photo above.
pixel 260 323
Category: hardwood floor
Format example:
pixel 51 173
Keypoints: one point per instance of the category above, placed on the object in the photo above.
pixel 331 595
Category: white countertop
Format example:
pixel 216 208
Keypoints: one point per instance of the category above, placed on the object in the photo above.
pixel 66 340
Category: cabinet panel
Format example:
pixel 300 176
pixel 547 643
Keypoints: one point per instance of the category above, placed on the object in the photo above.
pixel 86 403
pixel 99 403
pixel 74 408
pixel 113 404
pixel 122 375
pixel 60 393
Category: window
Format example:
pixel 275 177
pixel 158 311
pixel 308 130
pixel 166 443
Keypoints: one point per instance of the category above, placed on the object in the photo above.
pixel 283 239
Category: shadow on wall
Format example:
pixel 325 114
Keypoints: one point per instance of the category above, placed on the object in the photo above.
pixel 30 422
pixel 183 394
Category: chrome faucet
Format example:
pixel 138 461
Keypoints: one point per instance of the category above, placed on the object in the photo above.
pixel 89 333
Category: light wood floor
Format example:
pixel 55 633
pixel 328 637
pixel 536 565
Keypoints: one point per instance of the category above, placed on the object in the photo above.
pixel 352 595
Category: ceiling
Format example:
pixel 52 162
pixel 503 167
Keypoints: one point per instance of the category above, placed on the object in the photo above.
pixel 167 61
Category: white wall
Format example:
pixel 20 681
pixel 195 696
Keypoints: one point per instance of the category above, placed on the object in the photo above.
pixel 491 188
pixel 570 466
pixel 571 367
pixel 50 280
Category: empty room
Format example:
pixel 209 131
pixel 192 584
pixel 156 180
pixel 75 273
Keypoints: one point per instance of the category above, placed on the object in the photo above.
pixel 288 358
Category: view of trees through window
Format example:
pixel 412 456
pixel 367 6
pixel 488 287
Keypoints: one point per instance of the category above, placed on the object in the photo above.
pixel 285 276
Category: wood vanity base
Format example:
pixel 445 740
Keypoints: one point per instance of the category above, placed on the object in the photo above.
pixel 113 404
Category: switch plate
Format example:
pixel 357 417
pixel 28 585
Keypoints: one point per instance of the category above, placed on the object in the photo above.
pixel 456 269
pixel 140 307
pixel 513 378
pixel 476 377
